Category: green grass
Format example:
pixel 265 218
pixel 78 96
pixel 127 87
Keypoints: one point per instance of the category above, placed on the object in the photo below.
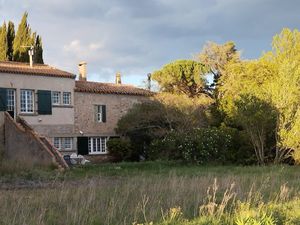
pixel 125 193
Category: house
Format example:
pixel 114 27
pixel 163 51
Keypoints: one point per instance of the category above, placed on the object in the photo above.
pixel 98 107
pixel 76 116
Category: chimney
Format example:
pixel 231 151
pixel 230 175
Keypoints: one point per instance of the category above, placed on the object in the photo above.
pixel 30 53
pixel 82 71
pixel 118 78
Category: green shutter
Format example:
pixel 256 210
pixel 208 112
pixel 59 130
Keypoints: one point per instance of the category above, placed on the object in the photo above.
pixel 103 113
pixel 44 102
pixel 3 99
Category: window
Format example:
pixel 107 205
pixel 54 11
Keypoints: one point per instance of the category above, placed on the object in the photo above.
pixel 57 143
pixel 27 101
pixel 67 143
pixel 56 98
pixel 97 145
pixel 67 98
pixel 100 114
pixel 64 143
pixel 10 100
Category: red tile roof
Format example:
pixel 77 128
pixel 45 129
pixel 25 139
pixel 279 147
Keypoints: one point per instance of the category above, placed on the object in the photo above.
pixel 36 69
pixel 109 88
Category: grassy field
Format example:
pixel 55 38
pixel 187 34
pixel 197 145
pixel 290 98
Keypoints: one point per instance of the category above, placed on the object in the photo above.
pixel 151 192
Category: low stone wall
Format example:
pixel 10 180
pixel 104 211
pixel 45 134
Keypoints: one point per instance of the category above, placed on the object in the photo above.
pixel 99 158
pixel 22 146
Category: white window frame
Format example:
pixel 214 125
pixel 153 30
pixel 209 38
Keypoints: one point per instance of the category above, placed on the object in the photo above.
pixel 27 109
pixel 58 144
pixel 56 97
pixel 11 100
pixel 66 98
pixel 69 145
pixel 97 145
pixel 61 143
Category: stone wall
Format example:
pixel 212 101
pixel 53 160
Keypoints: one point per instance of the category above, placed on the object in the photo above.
pixel 116 106
pixel 22 146
pixel 1 133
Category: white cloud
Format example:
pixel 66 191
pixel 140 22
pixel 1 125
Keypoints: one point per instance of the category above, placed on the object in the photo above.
pixel 136 36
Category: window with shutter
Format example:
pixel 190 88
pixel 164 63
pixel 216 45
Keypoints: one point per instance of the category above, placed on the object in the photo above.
pixel 100 113
pixel 27 101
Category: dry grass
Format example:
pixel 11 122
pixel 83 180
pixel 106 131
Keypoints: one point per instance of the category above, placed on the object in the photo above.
pixel 116 194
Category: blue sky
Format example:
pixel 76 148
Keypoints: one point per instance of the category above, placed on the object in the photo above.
pixel 136 37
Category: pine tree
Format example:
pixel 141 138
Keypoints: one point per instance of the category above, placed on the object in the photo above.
pixel 38 50
pixel 10 39
pixel 3 43
pixel 22 38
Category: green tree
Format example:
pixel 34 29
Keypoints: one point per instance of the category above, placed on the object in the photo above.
pixel 216 57
pixel 166 112
pixel 3 42
pixel 284 91
pixel 182 77
pixel 38 50
pixel 258 118
pixel 22 38
pixel 274 79
pixel 10 39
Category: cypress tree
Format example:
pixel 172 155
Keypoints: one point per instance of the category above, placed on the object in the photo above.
pixel 3 43
pixel 10 39
pixel 38 50
pixel 22 38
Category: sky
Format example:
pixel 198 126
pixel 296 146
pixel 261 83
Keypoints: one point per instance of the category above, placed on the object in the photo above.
pixel 136 37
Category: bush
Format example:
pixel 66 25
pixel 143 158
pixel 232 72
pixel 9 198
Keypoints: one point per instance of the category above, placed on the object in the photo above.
pixel 200 145
pixel 120 149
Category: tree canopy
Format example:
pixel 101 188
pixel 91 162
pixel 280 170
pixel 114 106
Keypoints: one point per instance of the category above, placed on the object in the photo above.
pixel 15 46
pixel 182 77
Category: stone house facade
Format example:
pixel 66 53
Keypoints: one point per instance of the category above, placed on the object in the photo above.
pixel 77 116
pixel 98 107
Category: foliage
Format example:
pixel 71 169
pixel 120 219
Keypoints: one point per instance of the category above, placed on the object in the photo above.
pixel 3 43
pixel 14 47
pixel 22 38
pixel 202 145
pixel 38 49
pixel 165 113
pixel 257 117
pixel 120 149
pixel 10 40
pixel 182 77
pixel 216 57
pixel 284 91
pixel 274 81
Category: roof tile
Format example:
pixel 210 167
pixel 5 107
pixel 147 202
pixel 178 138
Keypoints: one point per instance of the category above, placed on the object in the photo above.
pixel 110 88
pixel 36 69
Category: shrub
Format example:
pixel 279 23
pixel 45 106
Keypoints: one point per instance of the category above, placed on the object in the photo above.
pixel 200 145
pixel 120 149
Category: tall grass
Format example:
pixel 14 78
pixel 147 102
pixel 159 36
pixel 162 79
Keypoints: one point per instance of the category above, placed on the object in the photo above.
pixel 169 197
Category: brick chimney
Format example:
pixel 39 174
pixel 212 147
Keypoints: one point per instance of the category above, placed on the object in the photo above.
pixel 82 71
pixel 118 78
